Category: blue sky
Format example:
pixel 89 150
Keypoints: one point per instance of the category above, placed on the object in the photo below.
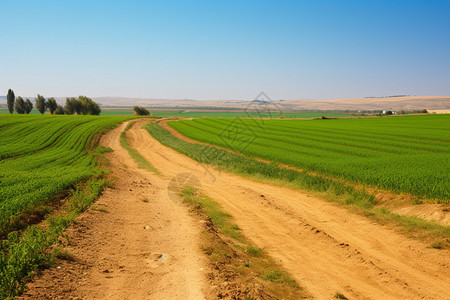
pixel 225 49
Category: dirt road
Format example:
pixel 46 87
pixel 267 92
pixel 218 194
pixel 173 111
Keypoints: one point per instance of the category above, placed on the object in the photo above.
pixel 324 246
pixel 137 244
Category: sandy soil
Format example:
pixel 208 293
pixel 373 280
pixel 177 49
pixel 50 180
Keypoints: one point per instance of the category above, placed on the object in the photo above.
pixel 326 248
pixel 436 212
pixel 134 250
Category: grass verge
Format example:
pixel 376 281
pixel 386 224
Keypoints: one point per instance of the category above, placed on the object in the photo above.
pixel 242 264
pixel 137 157
pixel 357 200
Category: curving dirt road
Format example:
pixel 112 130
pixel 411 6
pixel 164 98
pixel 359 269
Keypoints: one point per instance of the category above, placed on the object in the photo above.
pixel 324 246
pixel 136 244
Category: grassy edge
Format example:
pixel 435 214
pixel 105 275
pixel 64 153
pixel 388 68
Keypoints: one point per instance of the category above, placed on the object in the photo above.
pixel 137 157
pixel 355 199
pixel 25 252
pixel 252 260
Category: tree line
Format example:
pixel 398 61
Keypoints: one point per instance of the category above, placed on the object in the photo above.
pixel 80 106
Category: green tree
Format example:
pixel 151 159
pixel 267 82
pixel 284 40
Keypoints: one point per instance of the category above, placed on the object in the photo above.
pixel 77 106
pixel 69 108
pixel 28 106
pixel 20 105
pixel 41 106
pixel 10 98
pixel 141 111
pixel 72 106
pixel 59 110
pixel 88 107
pixel 51 105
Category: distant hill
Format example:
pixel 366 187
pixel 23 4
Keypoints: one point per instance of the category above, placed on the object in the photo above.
pixel 372 103
pixel 385 103
pixel 382 103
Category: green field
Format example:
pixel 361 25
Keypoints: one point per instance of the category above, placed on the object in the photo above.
pixel 407 154
pixel 246 115
pixel 116 112
pixel 5 111
pixel 40 156
pixel 209 114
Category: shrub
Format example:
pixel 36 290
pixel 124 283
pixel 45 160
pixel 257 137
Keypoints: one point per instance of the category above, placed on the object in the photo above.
pixel 141 111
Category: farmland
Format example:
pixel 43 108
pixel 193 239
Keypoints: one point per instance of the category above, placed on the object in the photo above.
pixel 209 114
pixel 6 111
pixel 402 154
pixel 44 155
pixel 40 156
pixel 229 114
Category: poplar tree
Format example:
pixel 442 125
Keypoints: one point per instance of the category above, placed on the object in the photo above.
pixel 10 98
pixel 40 104
pixel 28 106
pixel 51 105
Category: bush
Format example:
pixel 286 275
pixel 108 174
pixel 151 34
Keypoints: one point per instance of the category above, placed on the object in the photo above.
pixel 141 111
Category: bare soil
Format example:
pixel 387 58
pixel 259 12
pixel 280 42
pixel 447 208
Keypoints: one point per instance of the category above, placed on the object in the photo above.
pixel 134 244
pixel 146 246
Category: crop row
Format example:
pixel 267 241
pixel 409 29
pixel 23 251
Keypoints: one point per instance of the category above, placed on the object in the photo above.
pixel 40 156
pixel 402 154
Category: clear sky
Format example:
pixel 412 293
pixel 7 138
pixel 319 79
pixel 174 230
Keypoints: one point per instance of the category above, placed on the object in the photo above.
pixel 225 49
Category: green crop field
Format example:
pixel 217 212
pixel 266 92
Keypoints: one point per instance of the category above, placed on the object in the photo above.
pixel 409 154
pixel 40 156
pixel 209 114
pixel 107 112
pixel 6 111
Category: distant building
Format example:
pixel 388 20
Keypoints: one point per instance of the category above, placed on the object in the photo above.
pixel 389 112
